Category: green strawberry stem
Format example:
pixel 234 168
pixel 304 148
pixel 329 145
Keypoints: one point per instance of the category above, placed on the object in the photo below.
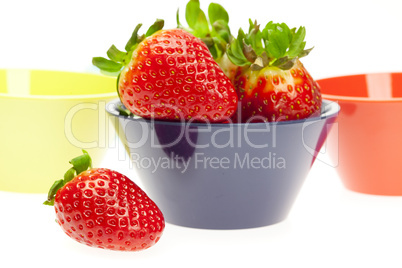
pixel 80 163
pixel 214 31
pixel 275 45
pixel 117 58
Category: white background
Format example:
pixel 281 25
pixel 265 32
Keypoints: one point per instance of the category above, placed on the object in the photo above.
pixel 328 226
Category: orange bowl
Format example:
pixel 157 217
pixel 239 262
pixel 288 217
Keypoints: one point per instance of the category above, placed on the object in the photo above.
pixel 368 144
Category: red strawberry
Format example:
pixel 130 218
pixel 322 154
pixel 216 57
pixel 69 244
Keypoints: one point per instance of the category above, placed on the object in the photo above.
pixel 272 84
pixel 102 208
pixel 171 75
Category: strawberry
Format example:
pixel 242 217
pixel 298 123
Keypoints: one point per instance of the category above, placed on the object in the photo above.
pixel 102 208
pixel 170 75
pixel 271 82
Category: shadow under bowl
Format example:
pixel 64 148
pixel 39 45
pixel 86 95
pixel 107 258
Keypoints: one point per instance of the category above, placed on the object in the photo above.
pixel 223 176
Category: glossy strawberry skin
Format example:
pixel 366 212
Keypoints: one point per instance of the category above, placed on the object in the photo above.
pixel 272 94
pixel 173 76
pixel 103 208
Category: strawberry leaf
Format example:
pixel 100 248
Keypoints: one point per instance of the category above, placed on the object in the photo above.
pixel 214 31
pixel 272 47
pixel 52 192
pixel 82 162
pixel 69 175
pixel 214 51
pixel 305 52
pixel 133 39
pixel 222 29
pixel 117 85
pixel 118 59
pixel 269 27
pixel 196 18
pixel 249 52
pixel 106 65
pixel 158 25
pixel 254 37
pixel 257 64
pixel 286 34
pixel 296 46
pixel 236 48
pixel 276 38
pixel 275 45
pixel 220 44
pixel 284 63
pixel 235 52
pixel 179 25
pixel 217 12
pixel 116 55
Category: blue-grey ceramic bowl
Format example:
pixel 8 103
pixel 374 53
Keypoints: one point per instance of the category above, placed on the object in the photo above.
pixel 223 176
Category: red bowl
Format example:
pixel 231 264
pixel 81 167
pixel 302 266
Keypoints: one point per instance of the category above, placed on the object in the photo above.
pixel 368 144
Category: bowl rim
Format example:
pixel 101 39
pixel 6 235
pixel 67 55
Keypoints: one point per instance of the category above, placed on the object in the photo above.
pixel 342 98
pixel 332 109
pixel 58 97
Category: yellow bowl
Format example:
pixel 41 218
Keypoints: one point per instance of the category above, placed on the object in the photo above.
pixel 46 118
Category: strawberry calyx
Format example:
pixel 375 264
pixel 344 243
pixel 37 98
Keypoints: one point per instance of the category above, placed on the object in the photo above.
pixel 119 59
pixel 80 163
pixel 214 31
pixel 275 45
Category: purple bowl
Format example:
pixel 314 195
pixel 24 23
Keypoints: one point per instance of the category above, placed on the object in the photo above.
pixel 223 176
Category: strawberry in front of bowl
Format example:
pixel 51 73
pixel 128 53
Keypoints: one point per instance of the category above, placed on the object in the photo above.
pixel 103 208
